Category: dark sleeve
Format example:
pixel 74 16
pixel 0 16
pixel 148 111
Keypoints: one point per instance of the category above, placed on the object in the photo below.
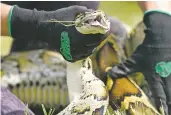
pixel 54 5
pixel 22 4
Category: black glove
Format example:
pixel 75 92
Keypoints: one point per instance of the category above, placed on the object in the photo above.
pixel 155 49
pixel 31 24
pixel 152 58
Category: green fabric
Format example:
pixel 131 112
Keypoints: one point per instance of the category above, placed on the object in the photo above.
pixel 9 20
pixel 160 11
pixel 163 69
pixel 65 45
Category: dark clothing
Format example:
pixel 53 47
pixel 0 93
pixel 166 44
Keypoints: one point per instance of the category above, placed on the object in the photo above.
pixel 161 92
pixel 52 5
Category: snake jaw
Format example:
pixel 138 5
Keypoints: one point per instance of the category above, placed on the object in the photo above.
pixel 92 23
pixel 99 21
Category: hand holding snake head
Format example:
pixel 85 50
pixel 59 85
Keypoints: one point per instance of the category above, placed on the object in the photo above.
pixel 73 31
pixel 92 23
pixel 89 28
pixel 81 30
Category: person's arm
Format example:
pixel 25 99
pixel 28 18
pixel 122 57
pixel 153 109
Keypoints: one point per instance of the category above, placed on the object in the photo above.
pixel 155 5
pixel 5 9
pixel 157 19
pixel 27 25
pixel 153 56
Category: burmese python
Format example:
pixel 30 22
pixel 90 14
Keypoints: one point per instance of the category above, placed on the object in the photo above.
pixel 89 22
pixel 128 103
pixel 94 22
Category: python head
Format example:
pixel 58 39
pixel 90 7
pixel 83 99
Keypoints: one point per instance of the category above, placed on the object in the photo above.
pixel 92 23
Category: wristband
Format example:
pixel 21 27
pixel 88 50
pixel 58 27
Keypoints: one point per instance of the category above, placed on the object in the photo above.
pixel 9 20
pixel 160 11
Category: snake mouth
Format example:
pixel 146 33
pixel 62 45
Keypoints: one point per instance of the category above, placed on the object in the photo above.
pixel 93 23
pixel 97 21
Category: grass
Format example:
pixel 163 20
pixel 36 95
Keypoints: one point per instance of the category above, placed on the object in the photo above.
pixel 51 111
pixel 26 112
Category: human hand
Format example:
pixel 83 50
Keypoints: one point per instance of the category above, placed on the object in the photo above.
pixel 56 28
pixel 152 58
pixel 153 51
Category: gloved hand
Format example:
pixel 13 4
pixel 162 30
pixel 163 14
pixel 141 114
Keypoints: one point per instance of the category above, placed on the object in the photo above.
pixel 152 57
pixel 32 24
pixel 152 52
